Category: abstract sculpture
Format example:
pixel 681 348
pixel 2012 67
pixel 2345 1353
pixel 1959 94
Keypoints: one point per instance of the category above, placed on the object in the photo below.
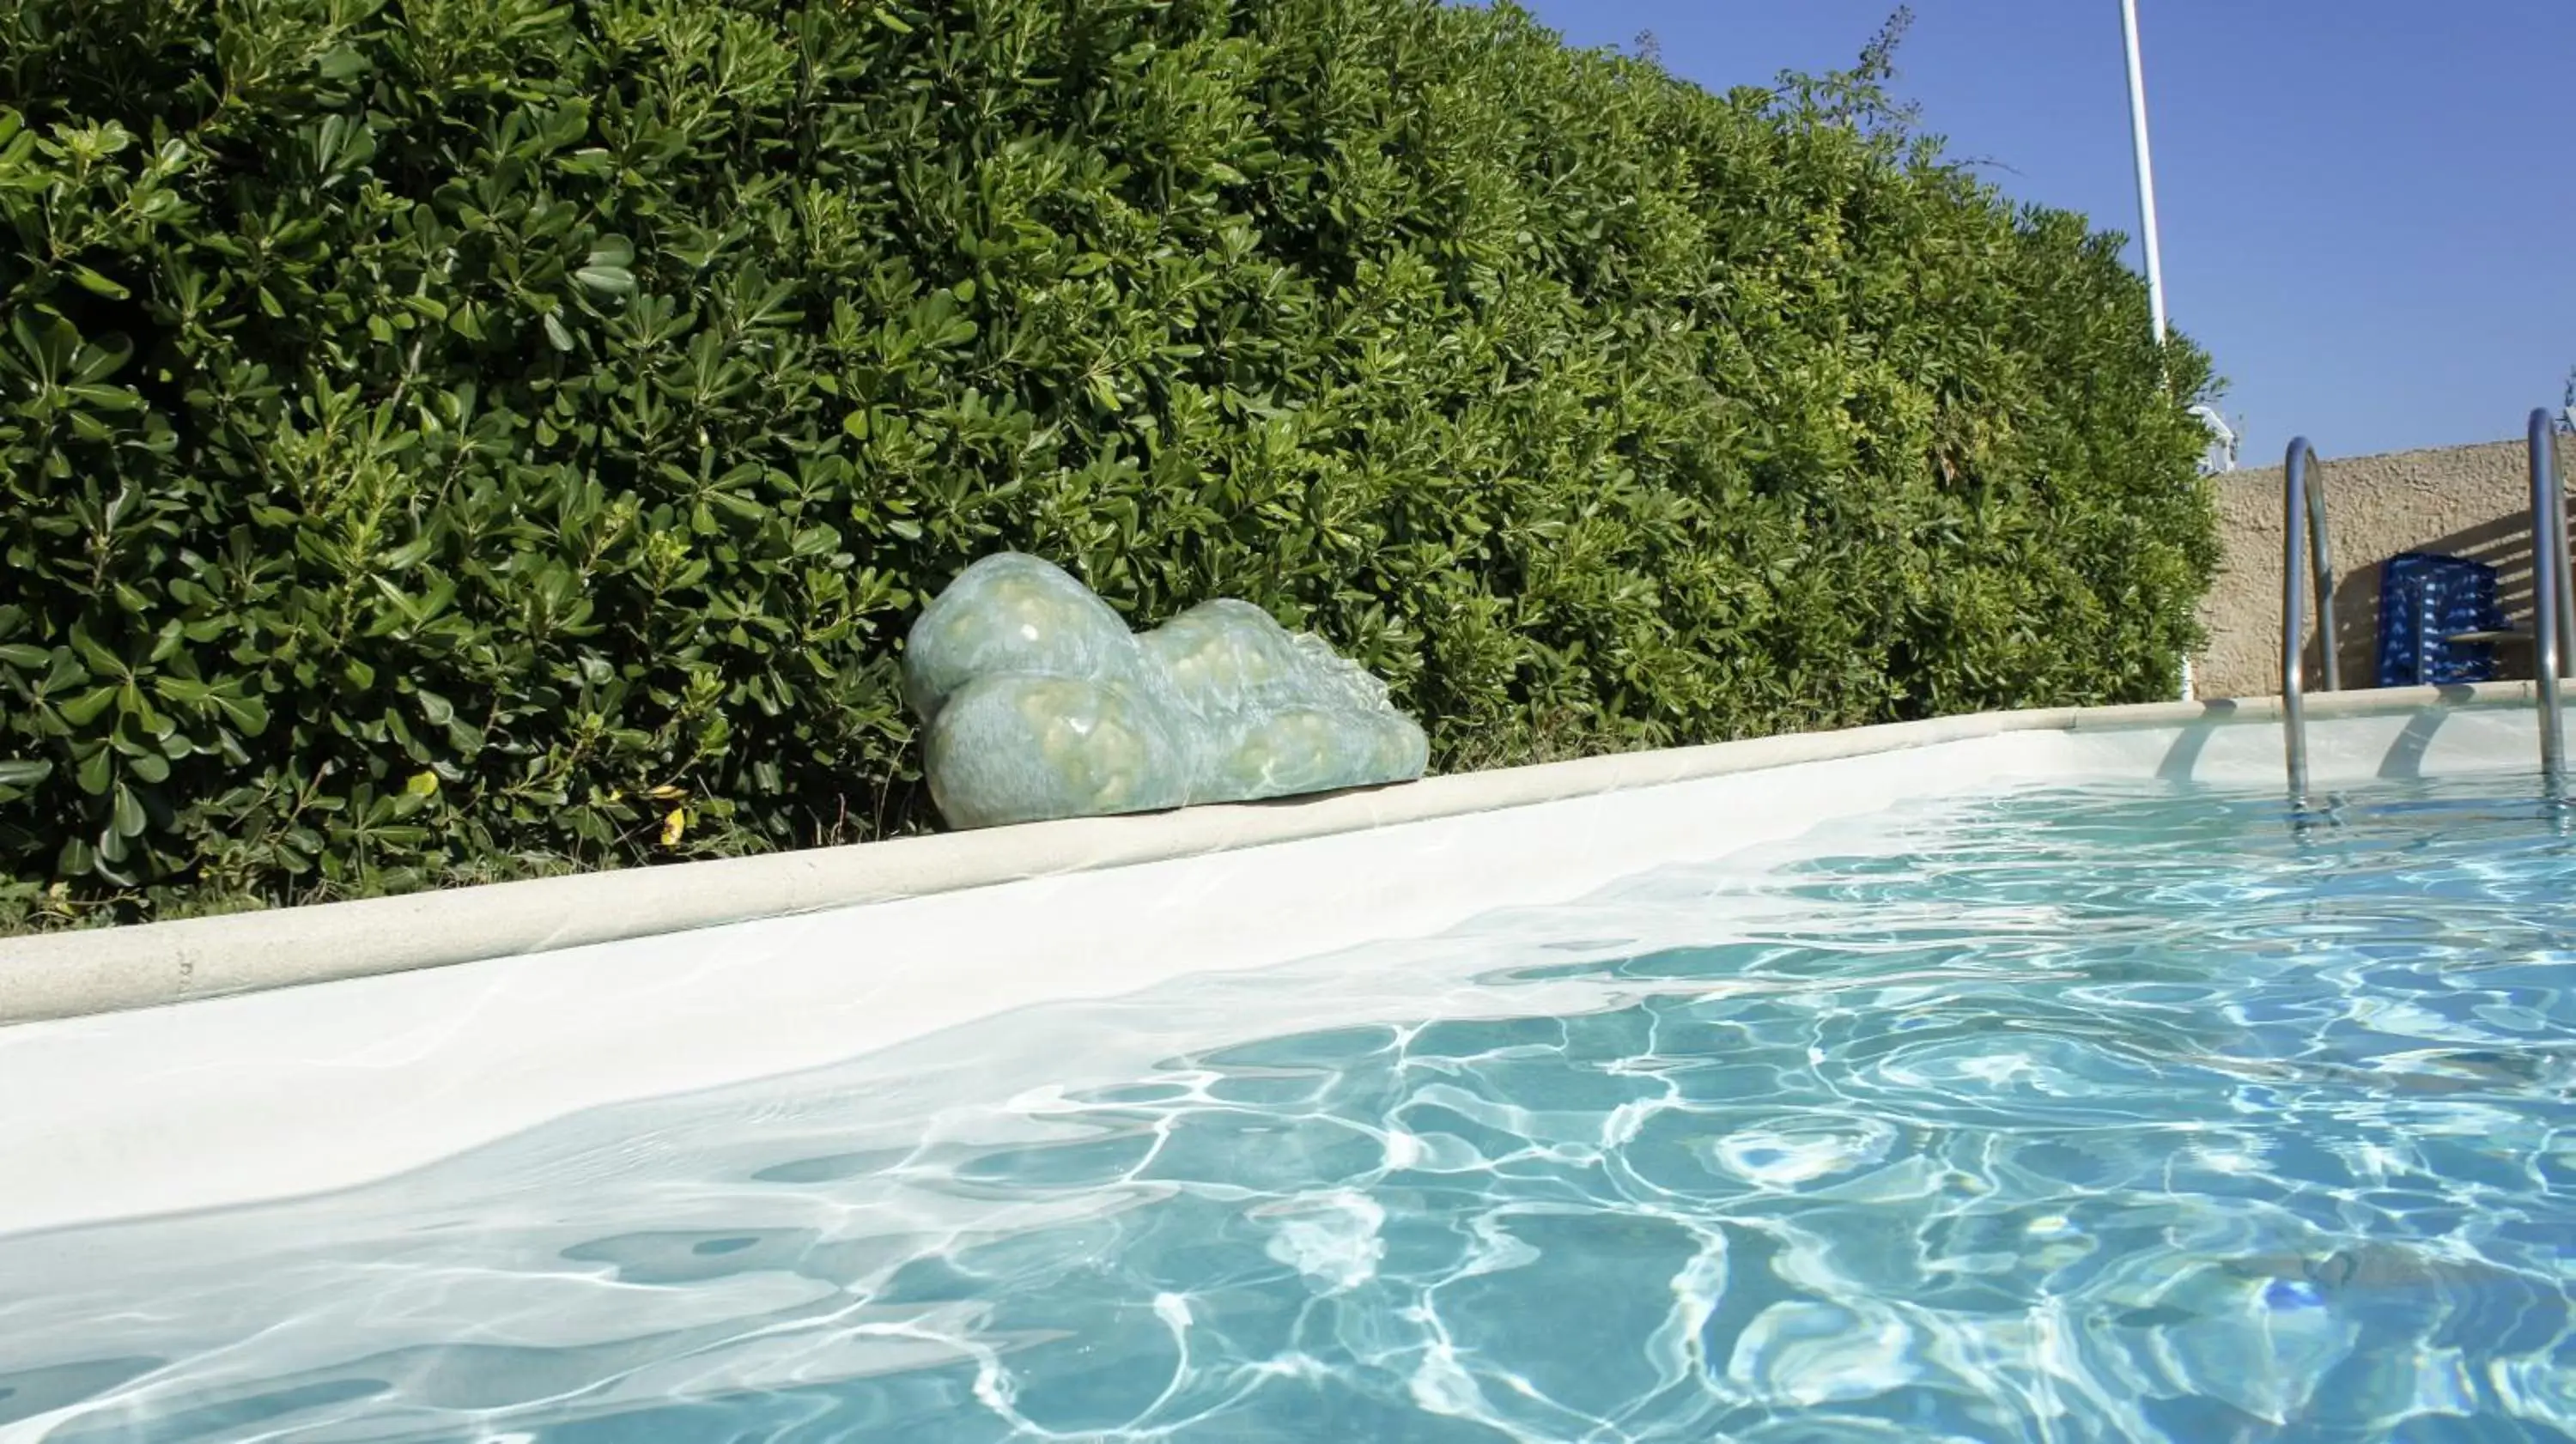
pixel 1039 703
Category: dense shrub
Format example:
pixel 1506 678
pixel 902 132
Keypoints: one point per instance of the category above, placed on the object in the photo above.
pixel 441 437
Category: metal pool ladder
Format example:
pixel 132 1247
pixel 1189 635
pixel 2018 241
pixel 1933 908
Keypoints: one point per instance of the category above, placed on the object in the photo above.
pixel 2552 603
pixel 2303 499
pixel 2309 549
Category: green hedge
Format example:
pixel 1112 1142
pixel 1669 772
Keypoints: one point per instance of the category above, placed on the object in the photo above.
pixel 446 438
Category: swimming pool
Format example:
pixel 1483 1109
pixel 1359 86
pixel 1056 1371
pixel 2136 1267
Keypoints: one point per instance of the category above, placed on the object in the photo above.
pixel 2132 1110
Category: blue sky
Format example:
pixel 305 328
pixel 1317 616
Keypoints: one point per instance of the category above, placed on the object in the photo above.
pixel 2367 209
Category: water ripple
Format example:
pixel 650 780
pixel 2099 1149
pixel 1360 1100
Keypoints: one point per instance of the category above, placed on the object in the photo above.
pixel 2122 1114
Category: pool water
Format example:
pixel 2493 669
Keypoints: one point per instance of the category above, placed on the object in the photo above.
pixel 2102 1114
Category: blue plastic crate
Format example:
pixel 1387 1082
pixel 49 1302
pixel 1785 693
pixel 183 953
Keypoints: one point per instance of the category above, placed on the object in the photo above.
pixel 2424 600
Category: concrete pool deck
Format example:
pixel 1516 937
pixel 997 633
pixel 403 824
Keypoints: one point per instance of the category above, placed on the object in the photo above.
pixel 75 973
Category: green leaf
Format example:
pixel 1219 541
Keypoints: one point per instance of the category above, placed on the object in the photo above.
pixel 250 714
pixel 99 658
pixel 92 281
pixel 84 709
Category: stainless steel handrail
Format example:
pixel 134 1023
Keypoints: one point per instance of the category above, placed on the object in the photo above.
pixel 2548 427
pixel 2566 579
pixel 2303 501
pixel 2549 592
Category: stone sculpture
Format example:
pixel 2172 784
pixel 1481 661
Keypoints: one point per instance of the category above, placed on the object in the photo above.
pixel 1040 703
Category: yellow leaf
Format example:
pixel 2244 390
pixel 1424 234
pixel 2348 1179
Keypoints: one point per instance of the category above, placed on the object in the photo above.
pixel 666 792
pixel 675 823
pixel 422 784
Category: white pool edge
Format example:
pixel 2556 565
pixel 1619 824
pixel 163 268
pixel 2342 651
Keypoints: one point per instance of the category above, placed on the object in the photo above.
pixel 728 973
pixel 77 973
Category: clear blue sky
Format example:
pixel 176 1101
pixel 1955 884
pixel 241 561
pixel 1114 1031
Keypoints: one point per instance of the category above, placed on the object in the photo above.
pixel 2367 209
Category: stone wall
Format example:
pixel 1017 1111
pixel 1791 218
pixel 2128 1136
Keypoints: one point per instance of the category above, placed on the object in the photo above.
pixel 2470 501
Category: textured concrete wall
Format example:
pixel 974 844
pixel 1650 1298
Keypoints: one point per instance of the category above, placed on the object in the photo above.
pixel 2470 501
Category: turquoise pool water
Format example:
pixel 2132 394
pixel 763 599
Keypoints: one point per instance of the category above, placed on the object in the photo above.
pixel 2069 1115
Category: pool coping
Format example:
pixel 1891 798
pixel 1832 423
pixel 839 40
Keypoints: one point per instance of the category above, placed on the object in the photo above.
pixel 77 973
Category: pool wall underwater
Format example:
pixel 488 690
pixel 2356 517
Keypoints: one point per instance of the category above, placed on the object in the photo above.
pixel 223 1061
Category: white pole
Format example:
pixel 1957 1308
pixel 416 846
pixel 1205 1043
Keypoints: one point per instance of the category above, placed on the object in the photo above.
pixel 2146 167
pixel 2146 201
